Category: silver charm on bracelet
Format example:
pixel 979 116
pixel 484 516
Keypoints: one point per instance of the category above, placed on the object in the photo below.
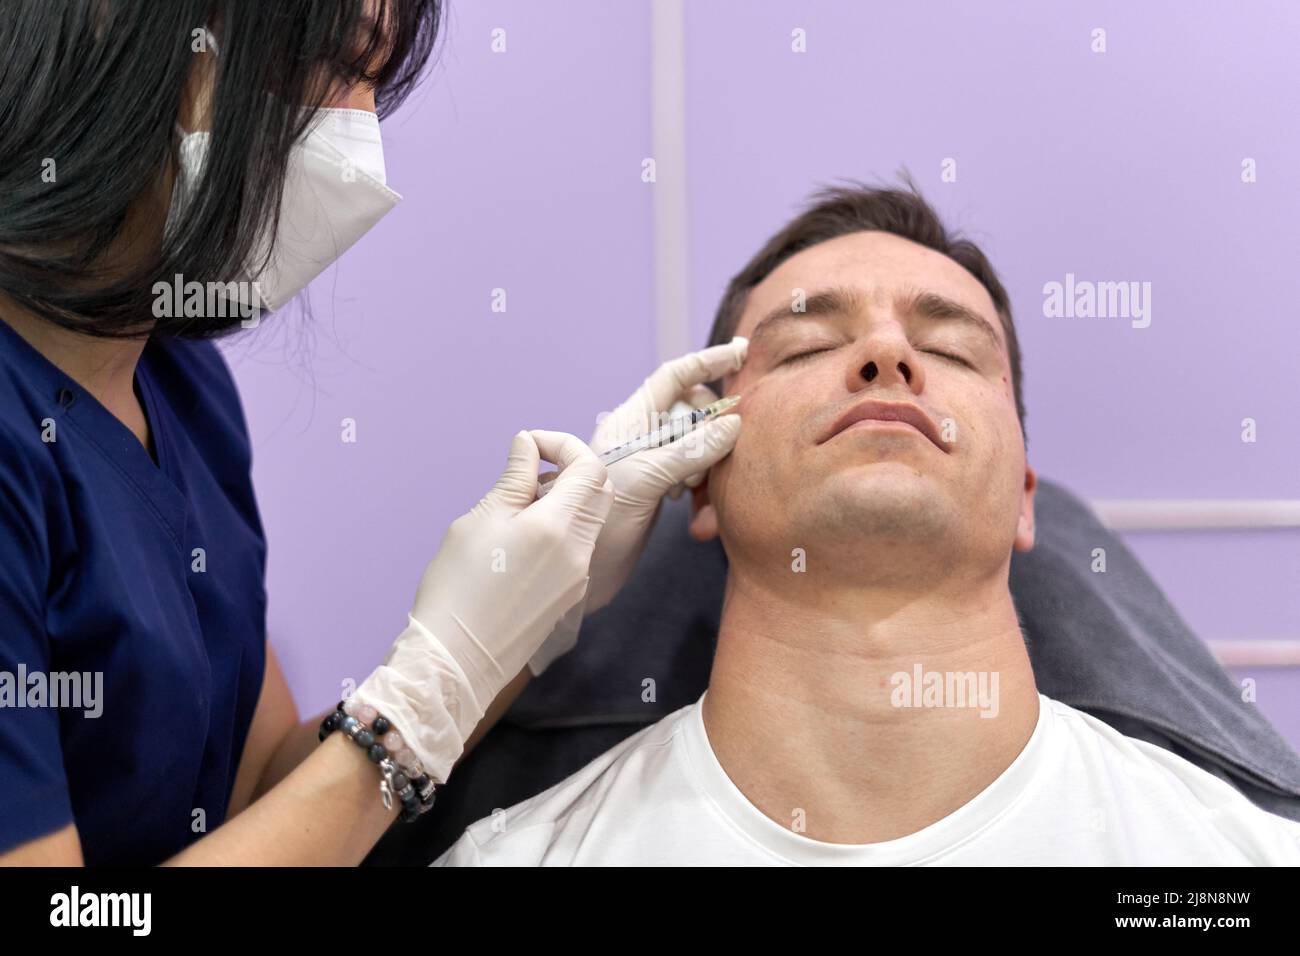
pixel 387 769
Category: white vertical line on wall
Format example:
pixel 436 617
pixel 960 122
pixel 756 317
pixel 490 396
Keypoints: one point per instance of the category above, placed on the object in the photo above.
pixel 668 149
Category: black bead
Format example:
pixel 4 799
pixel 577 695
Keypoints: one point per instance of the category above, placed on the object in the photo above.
pixel 377 752
pixel 400 781
pixel 364 737
pixel 382 726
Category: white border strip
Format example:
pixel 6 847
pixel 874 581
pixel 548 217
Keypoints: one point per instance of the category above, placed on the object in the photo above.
pixel 1158 514
pixel 668 148
pixel 1257 653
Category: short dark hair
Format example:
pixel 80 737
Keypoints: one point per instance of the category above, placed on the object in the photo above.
pixel 835 211
pixel 98 86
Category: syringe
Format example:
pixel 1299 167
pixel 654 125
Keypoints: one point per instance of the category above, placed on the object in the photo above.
pixel 676 429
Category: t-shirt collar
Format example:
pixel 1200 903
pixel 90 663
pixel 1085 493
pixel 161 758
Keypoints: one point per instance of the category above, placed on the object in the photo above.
pixel 704 770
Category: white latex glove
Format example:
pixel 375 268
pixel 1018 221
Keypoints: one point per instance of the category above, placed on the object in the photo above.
pixel 504 575
pixel 642 480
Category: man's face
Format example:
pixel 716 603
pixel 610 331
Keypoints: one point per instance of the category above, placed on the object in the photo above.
pixel 883 320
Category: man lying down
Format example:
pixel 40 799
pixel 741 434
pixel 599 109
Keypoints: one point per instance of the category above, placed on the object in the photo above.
pixel 871 699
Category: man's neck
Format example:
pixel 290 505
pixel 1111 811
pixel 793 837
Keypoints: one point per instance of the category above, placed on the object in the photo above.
pixel 813 713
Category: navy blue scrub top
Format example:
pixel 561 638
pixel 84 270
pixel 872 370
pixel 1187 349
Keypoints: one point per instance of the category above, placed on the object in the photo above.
pixel 100 573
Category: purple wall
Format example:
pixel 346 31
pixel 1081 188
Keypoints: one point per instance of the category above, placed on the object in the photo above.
pixel 522 171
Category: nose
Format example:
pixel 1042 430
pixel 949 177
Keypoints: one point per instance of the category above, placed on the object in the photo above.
pixel 885 358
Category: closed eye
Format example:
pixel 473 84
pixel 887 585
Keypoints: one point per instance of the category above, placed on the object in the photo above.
pixel 800 356
pixel 949 356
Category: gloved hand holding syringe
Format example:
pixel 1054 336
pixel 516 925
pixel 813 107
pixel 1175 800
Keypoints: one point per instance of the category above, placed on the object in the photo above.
pixel 513 576
pixel 648 459
pixel 682 421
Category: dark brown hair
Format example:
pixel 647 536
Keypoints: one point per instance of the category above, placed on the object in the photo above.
pixel 835 211
pixel 98 87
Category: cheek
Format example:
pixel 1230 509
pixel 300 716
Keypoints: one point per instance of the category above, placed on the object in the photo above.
pixel 985 411
pixel 994 435
pixel 737 472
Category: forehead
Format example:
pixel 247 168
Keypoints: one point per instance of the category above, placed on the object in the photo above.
pixel 878 264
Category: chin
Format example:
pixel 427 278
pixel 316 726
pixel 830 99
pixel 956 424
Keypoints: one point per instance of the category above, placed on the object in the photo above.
pixel 882 499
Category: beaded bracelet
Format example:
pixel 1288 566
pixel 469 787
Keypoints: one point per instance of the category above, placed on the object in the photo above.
pixel 383 745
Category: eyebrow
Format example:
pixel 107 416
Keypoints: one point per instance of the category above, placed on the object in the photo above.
pixel 845 301
pixel 825 302
pixel 932 305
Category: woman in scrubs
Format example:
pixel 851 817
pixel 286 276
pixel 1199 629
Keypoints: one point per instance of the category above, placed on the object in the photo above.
pixel 147 149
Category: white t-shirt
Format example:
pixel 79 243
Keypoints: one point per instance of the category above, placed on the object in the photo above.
pixel 1080 793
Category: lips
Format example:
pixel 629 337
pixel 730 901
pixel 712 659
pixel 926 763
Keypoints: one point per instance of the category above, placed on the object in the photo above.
pixel 875 410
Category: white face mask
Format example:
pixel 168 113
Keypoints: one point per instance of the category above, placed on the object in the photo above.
pixel 335 190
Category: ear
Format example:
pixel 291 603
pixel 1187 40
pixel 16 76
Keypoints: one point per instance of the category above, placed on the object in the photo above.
pixel 1025 524
pixel 704 517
